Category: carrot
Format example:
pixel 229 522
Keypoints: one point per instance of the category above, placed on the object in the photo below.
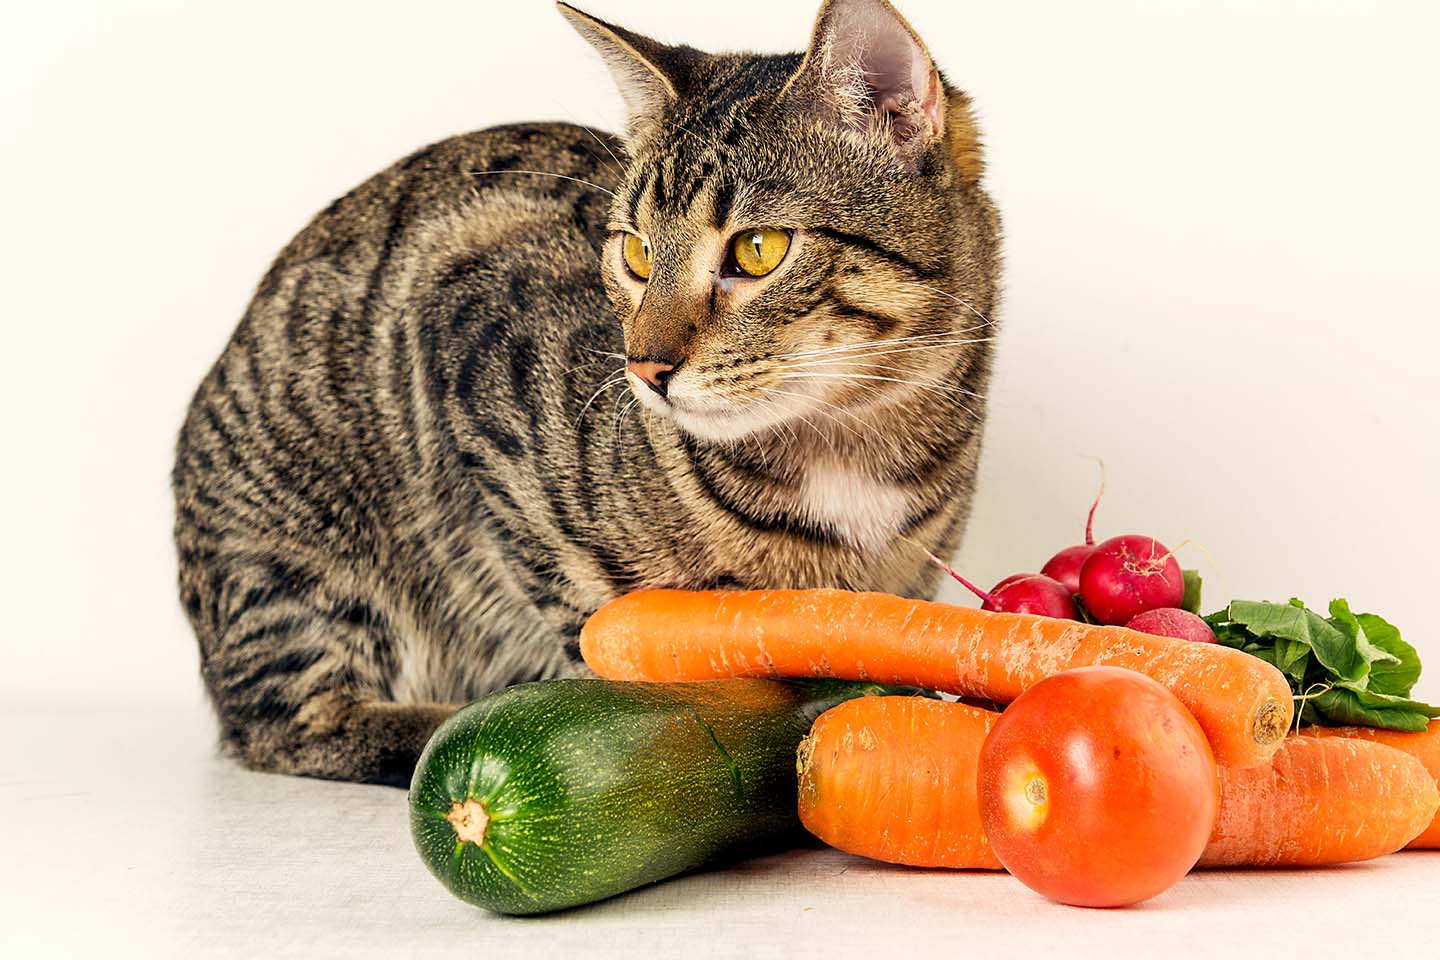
pixel 1320 801
pixel 1424 747
pixel 1241 702
pixel 894 778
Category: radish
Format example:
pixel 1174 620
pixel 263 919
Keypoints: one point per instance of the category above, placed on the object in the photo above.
pixel 1171 622
pixel 1032 593
pixel 1128 575
pixel 1021 593
pixel 1065 565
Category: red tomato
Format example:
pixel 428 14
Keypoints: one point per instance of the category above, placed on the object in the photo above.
pixel 1098 788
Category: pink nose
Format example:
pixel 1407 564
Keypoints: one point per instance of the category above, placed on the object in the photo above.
pixel 655 373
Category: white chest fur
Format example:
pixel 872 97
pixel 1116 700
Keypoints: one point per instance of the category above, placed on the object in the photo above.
pixel 864 511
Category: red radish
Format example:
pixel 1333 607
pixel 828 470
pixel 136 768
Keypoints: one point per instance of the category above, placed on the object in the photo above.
pixel 1128 575
pixel 1173 622
pixel 1065 565
pixel 1032 594
pixel 1021 593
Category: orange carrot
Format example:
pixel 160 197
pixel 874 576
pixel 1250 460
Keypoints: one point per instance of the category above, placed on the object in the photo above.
pixel 894 778
pixel 1241 702
pixel 1424 747
pixel 1321 801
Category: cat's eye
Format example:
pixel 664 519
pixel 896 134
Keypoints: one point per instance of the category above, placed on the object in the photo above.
pixel 757 252
pixel 637 255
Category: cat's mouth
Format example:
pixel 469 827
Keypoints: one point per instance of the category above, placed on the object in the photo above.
pixel 709 416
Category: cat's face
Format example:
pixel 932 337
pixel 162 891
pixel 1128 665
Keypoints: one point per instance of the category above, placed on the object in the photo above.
pixel 779 253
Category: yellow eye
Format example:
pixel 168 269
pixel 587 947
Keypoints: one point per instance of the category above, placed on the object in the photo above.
pixel 637 256
pixel 757 252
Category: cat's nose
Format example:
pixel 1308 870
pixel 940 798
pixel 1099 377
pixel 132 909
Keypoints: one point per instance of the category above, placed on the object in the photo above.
pixel 656 372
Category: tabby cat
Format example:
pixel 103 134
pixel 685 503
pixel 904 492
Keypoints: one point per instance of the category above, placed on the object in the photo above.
pixel 430 450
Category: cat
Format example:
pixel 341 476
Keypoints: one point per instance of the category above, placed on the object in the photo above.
pixel 525 370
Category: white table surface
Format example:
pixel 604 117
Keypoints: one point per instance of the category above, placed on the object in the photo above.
pixel 124 834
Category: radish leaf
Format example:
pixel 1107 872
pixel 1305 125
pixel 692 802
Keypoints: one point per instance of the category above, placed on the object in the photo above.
pixel 1347 669
pixel 1343 620
pixel 1342 707
pixel 1192 591
pixel 1336 651
pixel 1082 613
pixel 1392 678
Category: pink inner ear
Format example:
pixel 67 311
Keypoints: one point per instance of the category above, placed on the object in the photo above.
pixel 866 34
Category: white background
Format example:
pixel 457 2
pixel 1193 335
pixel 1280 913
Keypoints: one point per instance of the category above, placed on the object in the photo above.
pixel 1222 272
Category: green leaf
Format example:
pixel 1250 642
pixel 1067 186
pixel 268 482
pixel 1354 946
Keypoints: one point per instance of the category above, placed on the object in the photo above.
pixel 1341 707
pixel 1192 591
pixel 1397 678
pixel 1348 669
pixel 1082 612
pixel 1384 701
pixel 1266 653
pixel 1343 620
pixel 1335 651
pixel 1233 635
pixel 1292 657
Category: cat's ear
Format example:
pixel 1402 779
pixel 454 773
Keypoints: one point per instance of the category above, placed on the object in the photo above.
pixel 648 73
pixel 868 70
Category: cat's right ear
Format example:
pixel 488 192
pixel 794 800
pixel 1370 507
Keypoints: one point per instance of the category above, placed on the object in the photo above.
pixel 648 73
pixel 867 70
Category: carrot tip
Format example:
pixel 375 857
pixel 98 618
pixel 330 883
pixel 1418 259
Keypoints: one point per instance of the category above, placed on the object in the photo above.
pixel 1271 723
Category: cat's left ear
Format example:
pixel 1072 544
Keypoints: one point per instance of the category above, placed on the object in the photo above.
pixel 868 70
pixel 648 73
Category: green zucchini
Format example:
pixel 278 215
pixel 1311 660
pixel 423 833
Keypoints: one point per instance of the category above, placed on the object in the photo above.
pixel 552 794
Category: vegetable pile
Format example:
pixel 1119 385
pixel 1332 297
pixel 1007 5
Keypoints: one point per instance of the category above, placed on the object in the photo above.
pixel 1106 741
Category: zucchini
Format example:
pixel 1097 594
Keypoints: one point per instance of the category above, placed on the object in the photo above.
pixel 552 794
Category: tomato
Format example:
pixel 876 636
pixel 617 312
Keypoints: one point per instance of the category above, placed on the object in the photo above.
pixel 1098 788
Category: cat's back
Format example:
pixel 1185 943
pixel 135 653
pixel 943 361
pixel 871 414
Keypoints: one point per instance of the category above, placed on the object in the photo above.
pixel 393 395
pixel 331 384
pixel 507 175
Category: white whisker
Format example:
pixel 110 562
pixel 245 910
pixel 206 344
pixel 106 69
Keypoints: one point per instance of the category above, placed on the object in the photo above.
pixel 928 384
pixel 615 379
pixel 542 173
pixel 820 410
pixel 620 420
pixel 599 359
pixel 620 164
pixel 605 146
pixel 787 422
pixel 819 433
pixel 960 300
pixel 579 366
pixel 883 353
pixel 865 344
pixel 604 353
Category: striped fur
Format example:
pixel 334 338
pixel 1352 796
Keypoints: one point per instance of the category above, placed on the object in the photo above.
pixel 404 483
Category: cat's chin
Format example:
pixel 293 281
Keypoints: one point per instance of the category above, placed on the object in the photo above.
pixel 716 424
pixel 722 427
